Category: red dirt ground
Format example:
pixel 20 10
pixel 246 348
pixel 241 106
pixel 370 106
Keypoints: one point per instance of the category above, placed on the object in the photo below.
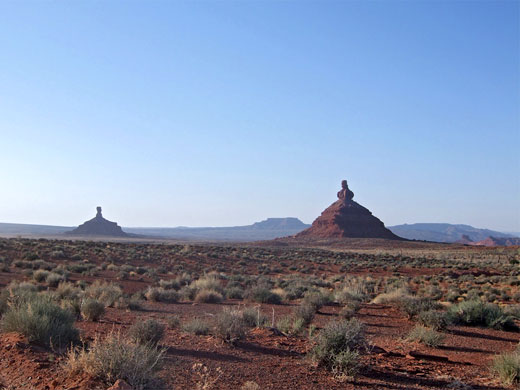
pixel 272 360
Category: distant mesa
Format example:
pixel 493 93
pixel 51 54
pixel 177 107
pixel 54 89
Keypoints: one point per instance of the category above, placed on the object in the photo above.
pixel 346 218
pixel 98 226
pixel 446 232
pixel 465 239
pixel 490 241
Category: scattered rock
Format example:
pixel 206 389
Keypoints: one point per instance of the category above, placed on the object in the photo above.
pixel 423 356
pixel 120 385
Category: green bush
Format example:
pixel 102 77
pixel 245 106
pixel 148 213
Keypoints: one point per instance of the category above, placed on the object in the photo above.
pixel 230 325
pixel 208 296
pixel 92 310
pixel 426 336
pixel 3 302
pixel 116 358
pixel 171 284
pixel 434 319
pixel 345 364
pixel 173 321
pixel 290 325
pixel 350 308
pixel 264 295
pixel 316 300
pixel 414 305
pixel 196 326
pixel 337 344
pixel 393 296
pixel 253 317
pixel 106 293
pixel 41 320
pixel 507 367
pixel 53 279
pixel 40 275
pixel 478 313
pixel 234 293
pixel 145 332
pixel 305 312
pixel 159 294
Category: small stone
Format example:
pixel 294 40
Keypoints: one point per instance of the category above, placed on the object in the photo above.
pixel 120 385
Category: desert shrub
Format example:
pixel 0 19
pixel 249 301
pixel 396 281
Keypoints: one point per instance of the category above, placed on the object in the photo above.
pixel 349 309
pixel 316 300
pixel 414 305
pixel 452 296
pixel 3 302
pixel 188 293
pixel 355 288
pixel 296 289
pixel 116 357
pixel 234 293
pixel 253 317
pixel 72 305
pixel 345 364
pixel 512 310
pixel 394 296
pixel 20 292
pixel 40 275
pixel 250 385
pixel 172 284
pixel 290 325
pixel 67 290
pixel 263 295
pixel 230 325
pixel 173 321
pixel 434 319
pixel 134 303
pixel 208 296
pixel 159 294
pixel 92 310
pixel 337 347
pixel 507 367
pixel 207 282
pixel 41 320
pixel 53 279
pixel 478 313
pixel 149 331
pixel 106 293
pixel 196 326
pixel 426 336
pixel 305 312
pixel 434 292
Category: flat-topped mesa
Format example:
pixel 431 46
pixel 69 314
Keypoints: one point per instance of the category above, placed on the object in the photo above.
pixel 99 226
pixel 346 218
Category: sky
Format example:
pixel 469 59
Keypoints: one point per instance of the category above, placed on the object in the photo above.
pixel 222 113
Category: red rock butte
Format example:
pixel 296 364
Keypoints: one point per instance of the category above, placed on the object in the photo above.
pixel 346 218
pixel 99 226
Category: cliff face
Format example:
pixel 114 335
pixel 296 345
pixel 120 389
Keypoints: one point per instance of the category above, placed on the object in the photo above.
pixel 346 218
pixel 99 226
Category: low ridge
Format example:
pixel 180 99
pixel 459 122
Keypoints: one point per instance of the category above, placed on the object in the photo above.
pixel 346 218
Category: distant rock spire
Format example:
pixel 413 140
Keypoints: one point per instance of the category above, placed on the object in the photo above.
pixel 345 194
pixel 346 218
pixel 99 226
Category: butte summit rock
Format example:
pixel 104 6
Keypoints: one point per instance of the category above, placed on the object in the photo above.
pixel 99 226
pixel 346 218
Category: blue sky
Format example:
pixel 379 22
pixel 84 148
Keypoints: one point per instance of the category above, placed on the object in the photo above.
pixel 228 112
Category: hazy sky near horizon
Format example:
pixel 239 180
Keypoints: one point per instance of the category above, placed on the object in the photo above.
pixel 224 113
